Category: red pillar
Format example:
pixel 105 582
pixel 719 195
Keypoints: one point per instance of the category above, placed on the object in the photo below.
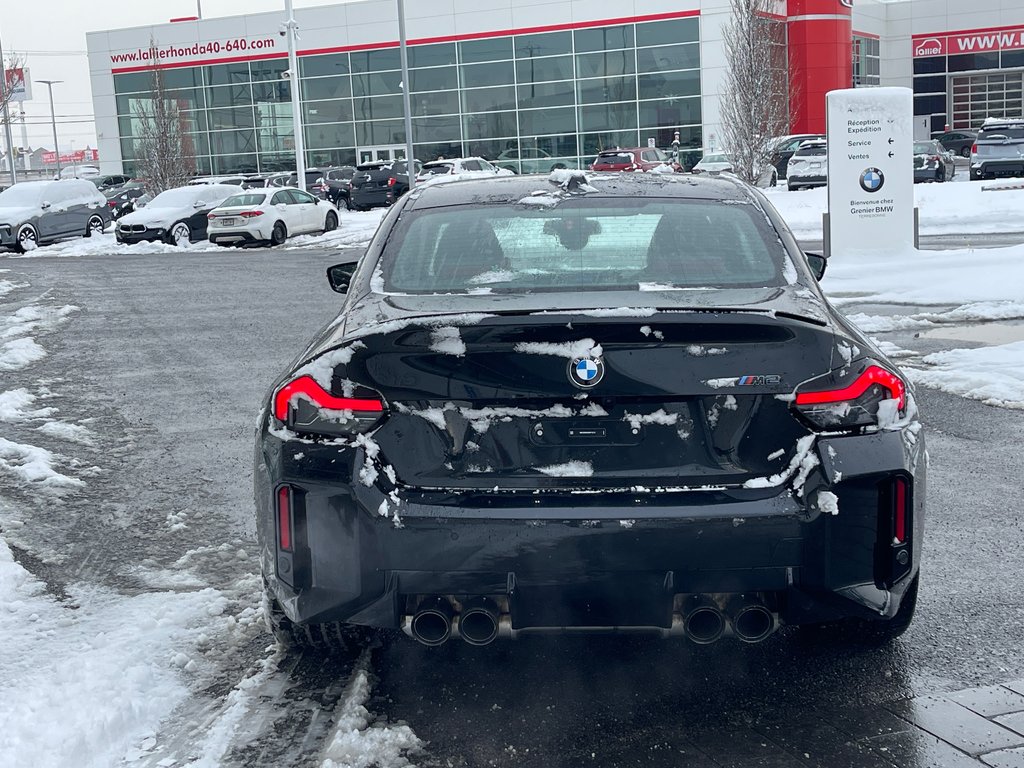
pixel 820 36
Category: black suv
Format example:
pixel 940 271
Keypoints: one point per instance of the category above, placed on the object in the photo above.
pixel 999 149
pixel 336 185
pixel 785 147
pixel 379 183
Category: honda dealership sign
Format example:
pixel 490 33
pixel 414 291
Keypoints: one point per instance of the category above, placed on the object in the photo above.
pixel 19 84
pixel 870 170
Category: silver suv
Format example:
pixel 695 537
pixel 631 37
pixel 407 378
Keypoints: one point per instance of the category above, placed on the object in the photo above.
pixel 999 149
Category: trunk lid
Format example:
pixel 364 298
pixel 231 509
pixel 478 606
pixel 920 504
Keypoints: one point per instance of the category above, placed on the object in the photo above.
pixel 687 399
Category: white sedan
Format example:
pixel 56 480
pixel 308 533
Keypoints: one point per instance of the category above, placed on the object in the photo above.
pixel 463 167
pixel 717 162
pixel 269 216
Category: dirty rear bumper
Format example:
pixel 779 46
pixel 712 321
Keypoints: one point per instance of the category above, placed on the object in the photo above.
pixel 621 559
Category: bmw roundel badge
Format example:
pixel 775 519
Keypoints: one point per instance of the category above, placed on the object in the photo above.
pixel 872 180
pixel 586 372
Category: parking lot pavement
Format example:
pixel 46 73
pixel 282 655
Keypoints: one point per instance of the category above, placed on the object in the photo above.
pixel 167 360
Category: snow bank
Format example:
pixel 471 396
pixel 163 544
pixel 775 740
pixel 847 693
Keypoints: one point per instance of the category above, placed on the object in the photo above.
pixel 993 375
pixel 16 405
pixel 358 741
pixel 33 465
pixel 944 209
pixel 20 353
pixel 82 683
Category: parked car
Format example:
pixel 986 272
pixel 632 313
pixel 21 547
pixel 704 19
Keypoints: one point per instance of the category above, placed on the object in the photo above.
pixel 464 167
pixel 713 163
pixel 717 503
pixel 234 181
pixel 110 181
pixel 957 142
pixel 528 160
pixel 783 148
pixel 39 212
pixel 808 167
pixel 932 162
pixel 177 216
pixel 337 185
pixel 122 200
pixel 372 183
pixel 269 216
pixel 999 149
pixel 630 159
pixel 77 172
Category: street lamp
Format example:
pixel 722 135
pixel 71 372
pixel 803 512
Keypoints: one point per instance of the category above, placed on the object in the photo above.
pixel 410 166
pixel 289 28
pixel 53 119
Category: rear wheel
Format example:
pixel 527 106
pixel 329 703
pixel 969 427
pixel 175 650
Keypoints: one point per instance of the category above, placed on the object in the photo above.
pixel 94 227
pixel 334 638
pixel 940 175
pixel 348 203
pixel 330 222
pixel 965 152
pixel 279 234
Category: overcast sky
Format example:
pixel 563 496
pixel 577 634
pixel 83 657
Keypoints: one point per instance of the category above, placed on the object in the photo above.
pixel 50 35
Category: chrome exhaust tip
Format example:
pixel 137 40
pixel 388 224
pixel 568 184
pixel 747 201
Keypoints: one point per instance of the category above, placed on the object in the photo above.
pixel 432 622
pixel 753 623
pixel 478 621
pixel 705 624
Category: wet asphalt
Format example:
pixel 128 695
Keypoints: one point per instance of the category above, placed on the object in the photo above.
pixel 169 356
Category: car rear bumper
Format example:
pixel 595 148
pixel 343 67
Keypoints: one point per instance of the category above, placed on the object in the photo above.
pixel 236 237
pixel 926 174
pixel 369 198
pixel 559 560
pixel 998 168
pixel 806 181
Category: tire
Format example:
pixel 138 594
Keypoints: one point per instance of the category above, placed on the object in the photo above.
pixel 180 234
pixel 774 181
pixel 793 187
pixel 330 222
pixel 27 233
pixel 867 632
pixel 348 204
pixel 334 638
pixel 279 234
pixel 94 226
pixel 965 152
pixel 558 167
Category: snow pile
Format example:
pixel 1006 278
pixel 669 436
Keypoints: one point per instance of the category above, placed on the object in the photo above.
pixel 33 465
pixel 16 406
pixel 447 341
pixel 20 353
pixel 83 682
pixel 993 375
pixel 17 349
pixel 359 742
pixel 944 209
pixel 568 469
pixel 569 349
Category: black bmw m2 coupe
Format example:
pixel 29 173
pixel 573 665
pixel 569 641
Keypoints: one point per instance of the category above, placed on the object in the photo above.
pixel 587 403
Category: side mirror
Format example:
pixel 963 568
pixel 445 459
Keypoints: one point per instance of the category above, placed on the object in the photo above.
pixel 45 204
pixel 340 276
pixel 817 262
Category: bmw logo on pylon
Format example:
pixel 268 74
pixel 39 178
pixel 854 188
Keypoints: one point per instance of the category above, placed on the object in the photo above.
pixel 586 372
pixel 872 180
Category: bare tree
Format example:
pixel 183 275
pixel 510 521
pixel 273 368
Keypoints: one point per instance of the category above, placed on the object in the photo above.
pixel 165 155
pixel 755 103
pixel 7 98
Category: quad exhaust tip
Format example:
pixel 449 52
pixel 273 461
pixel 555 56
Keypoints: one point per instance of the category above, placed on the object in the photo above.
pixel 432 622
pixel 478 622
pixel 705 624
pixel 753 623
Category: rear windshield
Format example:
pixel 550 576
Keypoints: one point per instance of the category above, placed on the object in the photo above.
pixel 1000 133
pixel 248 199
pixel 174 198
pixel 924 148
pixel 811 151
pixel 615 157
pixel 715 159
pixel 437 170
pixel 588 244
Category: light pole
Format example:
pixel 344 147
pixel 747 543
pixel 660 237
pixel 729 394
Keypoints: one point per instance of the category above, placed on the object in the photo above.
pixel 7 117
pixel 53 119
pixel 293 77
pixel 410 166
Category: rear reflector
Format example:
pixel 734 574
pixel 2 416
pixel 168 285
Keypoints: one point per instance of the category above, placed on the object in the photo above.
pixel 306 386
pixel 284 518
pixel 899 526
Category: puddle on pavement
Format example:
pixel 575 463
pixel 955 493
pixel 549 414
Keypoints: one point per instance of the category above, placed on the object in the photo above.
pixel 985 333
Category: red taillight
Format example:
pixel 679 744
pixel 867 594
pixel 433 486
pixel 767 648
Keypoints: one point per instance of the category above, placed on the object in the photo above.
pixel 250 214
pixel 392 181
pixel 306 386
pixel 899 521
pixel 873 374
pixel 211 216
pixel 934 158
pixel 974 149
pixel 284 518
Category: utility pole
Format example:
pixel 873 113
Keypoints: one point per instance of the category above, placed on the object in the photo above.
pixel 291 27
pixel 199 8
pixel 53 119
pixel 7 118
pixel 410 166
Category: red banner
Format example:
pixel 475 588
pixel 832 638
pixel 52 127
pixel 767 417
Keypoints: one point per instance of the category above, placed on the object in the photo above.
pixel 969 41
pixel 78 156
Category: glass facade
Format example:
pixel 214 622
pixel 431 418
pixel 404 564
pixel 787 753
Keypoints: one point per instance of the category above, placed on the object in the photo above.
pixel 866 61
pixel 948 96
pixel 529 102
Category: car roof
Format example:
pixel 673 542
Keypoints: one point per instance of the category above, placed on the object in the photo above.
pixel 510 189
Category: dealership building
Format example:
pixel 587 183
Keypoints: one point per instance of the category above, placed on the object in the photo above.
pixel 533 83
